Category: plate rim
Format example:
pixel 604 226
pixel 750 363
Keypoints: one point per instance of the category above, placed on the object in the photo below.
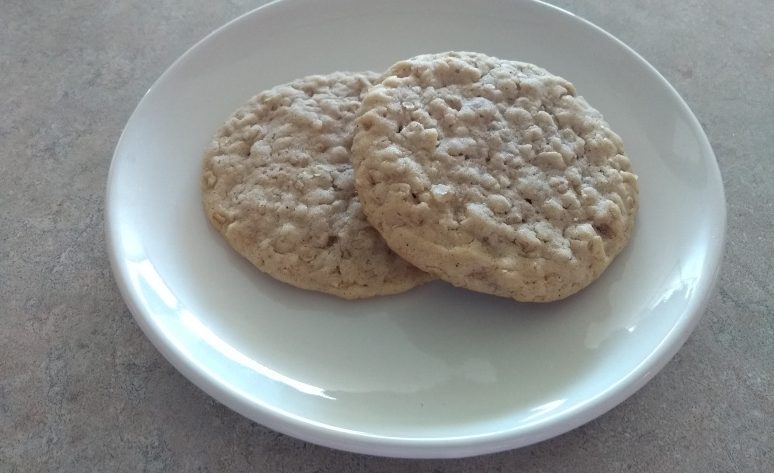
pixel 437 447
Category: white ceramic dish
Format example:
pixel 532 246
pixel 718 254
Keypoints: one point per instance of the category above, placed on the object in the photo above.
pixel 438 371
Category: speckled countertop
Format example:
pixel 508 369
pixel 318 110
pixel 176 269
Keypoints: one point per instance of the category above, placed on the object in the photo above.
pixel 82 389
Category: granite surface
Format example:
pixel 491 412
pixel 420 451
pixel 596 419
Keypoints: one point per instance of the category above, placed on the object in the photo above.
pixel 82 389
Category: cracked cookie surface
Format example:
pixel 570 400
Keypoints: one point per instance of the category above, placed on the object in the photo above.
pixel 493 175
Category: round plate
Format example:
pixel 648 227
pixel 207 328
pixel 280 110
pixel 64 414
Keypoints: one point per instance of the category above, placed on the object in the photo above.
pixel 437 371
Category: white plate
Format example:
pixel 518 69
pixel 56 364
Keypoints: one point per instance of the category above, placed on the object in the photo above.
pixel 438 371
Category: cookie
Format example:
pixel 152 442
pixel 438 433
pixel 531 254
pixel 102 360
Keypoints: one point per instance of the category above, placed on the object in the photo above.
pixel 278 184
pixel 493 175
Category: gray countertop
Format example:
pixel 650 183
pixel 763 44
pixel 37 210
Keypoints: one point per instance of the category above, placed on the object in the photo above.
pixel 82 389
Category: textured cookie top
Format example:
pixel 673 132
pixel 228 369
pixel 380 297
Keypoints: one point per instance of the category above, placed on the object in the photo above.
pixel 278 184
pixel 493 175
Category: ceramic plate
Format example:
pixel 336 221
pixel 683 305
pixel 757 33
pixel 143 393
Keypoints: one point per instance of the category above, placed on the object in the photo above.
pixel 437 371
